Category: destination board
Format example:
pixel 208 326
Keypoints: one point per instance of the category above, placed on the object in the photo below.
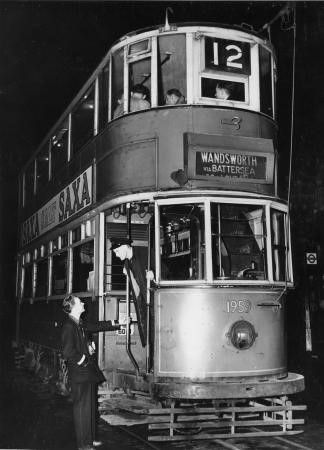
pixel 232 165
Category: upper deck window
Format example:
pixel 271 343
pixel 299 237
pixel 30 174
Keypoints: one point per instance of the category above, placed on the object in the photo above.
pixel 29 183
pixel 139 48
pixel 265 81
pixel 42 167
pixel 171 55
pixel 83 120
pixel 59 147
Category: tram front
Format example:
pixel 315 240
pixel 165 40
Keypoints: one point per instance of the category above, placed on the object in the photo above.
pixel 199 177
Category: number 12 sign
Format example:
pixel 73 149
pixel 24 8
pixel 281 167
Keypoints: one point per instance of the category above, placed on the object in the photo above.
pixel 228 56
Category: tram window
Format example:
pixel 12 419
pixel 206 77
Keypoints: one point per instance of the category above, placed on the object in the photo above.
pixel 103 97
pixel 82 278
pixel 59 147
pixel 265 81
pixel 55 244
pixel 279 248
pixel 29 183
pixel 42 168
pixel 171 66
pixel 238 241
pixel 76 234
pixel 139 48
pixel 64 239
pixel 182 242
pixel 42 277
pixel 140 75
pixel 59 273
pixel 117 81
pixel 83 121
pixel 222 90
pixel 28 281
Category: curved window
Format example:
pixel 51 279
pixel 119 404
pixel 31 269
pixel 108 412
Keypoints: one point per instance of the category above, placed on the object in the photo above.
pixel 265 81
pixel 83 121
pixel 29 183
pixel 171 65
pixel 42 168
pixel 59 147
pixel 238 241
pixel 117 84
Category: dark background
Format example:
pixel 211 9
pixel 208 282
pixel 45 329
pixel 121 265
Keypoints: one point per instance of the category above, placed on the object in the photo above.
pixel 49 49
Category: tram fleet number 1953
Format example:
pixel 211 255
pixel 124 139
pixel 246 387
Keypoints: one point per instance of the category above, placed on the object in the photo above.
pixel 238 306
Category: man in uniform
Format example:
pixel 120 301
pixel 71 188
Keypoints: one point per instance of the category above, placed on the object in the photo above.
pixel 84 373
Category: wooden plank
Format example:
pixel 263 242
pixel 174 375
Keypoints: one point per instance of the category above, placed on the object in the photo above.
pixel 222 436
pixel 230 409
pixel 237 423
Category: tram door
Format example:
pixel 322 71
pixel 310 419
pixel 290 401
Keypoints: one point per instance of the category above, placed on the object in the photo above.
pixel 114 346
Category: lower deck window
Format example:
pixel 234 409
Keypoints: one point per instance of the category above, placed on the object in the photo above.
pixel 28 282
pixel 182 241
pixel 238 241
pixel 41 278
pixel 59 273
pixel 83 274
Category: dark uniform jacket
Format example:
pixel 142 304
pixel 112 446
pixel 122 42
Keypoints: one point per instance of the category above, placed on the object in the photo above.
pixel 75 348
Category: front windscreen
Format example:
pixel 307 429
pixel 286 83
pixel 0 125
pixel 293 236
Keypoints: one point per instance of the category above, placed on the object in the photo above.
pixel 182 242
pixel 238 235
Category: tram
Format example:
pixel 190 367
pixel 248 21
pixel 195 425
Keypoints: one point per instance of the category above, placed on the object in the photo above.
pixel 194 186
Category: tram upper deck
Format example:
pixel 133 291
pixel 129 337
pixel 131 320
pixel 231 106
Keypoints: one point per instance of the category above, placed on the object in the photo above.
pixel 200 142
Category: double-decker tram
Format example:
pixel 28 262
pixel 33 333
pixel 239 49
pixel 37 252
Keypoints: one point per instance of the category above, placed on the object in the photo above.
pixel 172 142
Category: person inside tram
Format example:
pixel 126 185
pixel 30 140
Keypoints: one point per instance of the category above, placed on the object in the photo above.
pixel 119 110
pixel 138 100
pixel 174 97
pixel 224 90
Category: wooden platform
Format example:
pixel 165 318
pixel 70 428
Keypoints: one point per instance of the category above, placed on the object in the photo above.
pixel 266 417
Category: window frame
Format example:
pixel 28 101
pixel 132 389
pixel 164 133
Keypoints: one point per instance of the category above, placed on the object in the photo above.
pixel 268 205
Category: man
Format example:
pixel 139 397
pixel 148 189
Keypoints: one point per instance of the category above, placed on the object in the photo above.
pixel 224 90
pixel 134 267
pixel 84 373
pixel 138 100
pixel 173 97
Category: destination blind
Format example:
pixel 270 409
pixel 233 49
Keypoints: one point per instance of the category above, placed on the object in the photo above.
pixel 232 165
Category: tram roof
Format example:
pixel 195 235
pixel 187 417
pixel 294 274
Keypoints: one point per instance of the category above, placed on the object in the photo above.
pixel 174 26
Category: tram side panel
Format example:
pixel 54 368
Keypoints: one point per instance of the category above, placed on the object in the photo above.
pixel 142 151
pixel 193 335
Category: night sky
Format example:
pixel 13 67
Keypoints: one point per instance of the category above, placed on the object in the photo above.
pixel 49 49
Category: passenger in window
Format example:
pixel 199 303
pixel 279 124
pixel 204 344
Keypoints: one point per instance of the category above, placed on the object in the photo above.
pixel 174 97
pixel 224 90
pixel 139 98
